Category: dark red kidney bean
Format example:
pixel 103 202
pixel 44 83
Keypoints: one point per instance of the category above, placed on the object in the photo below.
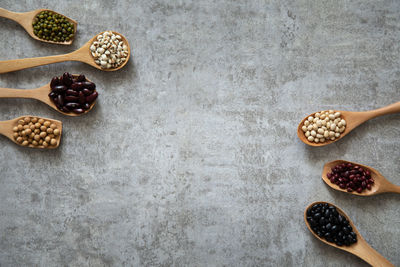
pixel 59 89
pixel 78 110
pixel 65 109
pixel 91 98
pixel 71 98
pixel 89 85
pixel 87 91
pixel 54 82
pixel 67 79
pixel 71 92
pixel 60 100
pixel 72 105
pixel 81 78
pixel 52 94
pixel 86 106
pixel 77 86
pixel 82 99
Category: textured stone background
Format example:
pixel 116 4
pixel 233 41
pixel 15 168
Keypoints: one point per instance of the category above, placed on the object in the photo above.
pixel 190 157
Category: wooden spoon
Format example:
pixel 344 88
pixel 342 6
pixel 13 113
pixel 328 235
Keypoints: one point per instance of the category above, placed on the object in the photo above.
pixel 353 119
pixel 26 19
pixel 41 94
pixel 361 248
pixel 6 129
pixel 83 54
pixel 381 184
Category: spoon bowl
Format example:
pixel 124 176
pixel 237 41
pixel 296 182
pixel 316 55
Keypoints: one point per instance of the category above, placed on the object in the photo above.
pixel 360 249
pixel 353 119
pixel 6 129
pixel 381 184
pixel 26 19
pixel 41 94
pixel 83 54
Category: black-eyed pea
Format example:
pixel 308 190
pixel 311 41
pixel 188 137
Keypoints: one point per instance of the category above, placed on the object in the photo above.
pixel 41 121
pixel 22 122
pixel 45 144
pixel 43 128
pixel 49 130
pixel 19 139
pixel 35 143
pixel 46 123
pixel 20 127
pixel 47 139
pixel 53 126
pixel 37 131
pixel 34 120
pixel 32 127
pixel 26 126
pixel 40 141
pixel 36 137
pixel 37 125
pixel 25 143
pixel 28 131
pixel 56 132
pixel 15 129
pixel 43 134
pixel 53 141
pixel 27 119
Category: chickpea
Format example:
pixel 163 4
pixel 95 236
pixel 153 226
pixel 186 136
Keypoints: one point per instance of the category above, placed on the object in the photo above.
pixel 53 126
pixel 28 131
pixel 34 120
pixel 15 129
pixel 25 143
pixel 37 137
pixel 19 139
pixel 46 123
pixel 32 135
pixel 40 141
pixel 49 130
pixel 53 141
pixel 15 135
pixel 26 126
pixel 35 143
pixel 37 131
pixel 25 138
pixel 20 127
pixel 51 135
pixel 22 122
pixel 56 132
pixel 45 144
pixel 43 134
pixel 23 133
pixel 47 139
pixel 41 121
pixel 37 125
pixel 27 119
pixel 32 127
pixel 30 140
pixel 43 128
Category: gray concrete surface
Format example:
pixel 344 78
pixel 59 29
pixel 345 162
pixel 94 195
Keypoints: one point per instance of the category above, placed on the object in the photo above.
pixel 191 156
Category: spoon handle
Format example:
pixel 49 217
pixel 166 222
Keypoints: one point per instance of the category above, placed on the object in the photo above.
pixel 370 255
pixel 390 109
pixel 11 15
pixel 20 64
pixel 19 93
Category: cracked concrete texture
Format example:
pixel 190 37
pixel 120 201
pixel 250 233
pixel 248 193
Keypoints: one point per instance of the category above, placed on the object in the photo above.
pixel 190 157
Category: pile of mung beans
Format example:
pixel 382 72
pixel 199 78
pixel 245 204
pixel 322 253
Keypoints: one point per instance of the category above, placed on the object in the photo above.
pixel 36 132
pixel 54 27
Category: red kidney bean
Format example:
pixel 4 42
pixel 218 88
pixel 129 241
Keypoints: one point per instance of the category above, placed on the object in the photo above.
pixel 59 89
pixel 71 98
pixel 52 95
pixel 82 99
pixel 86 106
pixel 87 91
pixel 77 86
pixel 78 110
pixel 71 92
pixel 81 78
pixel 72 105
pixel 60 100
pixel 54 82
pixel 67 79
pixel 89 85
pixel 91 98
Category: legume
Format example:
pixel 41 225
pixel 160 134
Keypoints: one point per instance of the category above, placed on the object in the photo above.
pixel 27 132
pixel 324 126
pixel 351 177
pixel 54 27
pixel 327 223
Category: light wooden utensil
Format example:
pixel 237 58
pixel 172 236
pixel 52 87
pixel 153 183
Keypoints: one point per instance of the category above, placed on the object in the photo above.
pixel 6 129
pixel 26 19
pixel 361 248
pixel 41 94
pixel 380 185
pixel 353 119
pixel 83 54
